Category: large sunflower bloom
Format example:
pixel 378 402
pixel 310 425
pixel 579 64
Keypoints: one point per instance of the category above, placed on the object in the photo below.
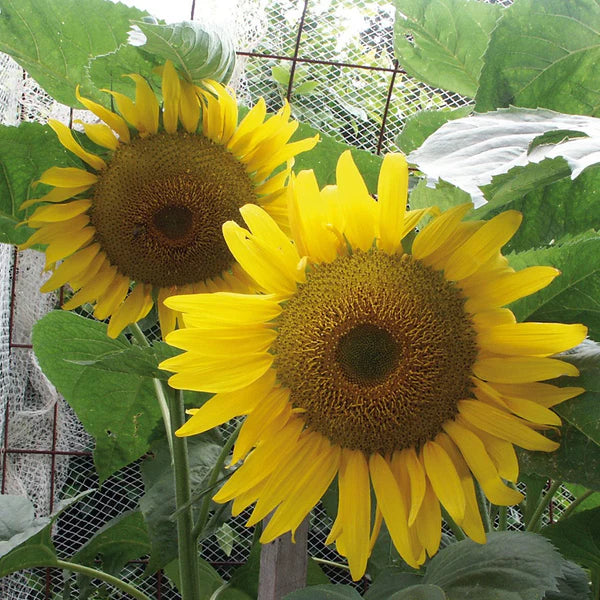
pixel 148 208
pixel 392 368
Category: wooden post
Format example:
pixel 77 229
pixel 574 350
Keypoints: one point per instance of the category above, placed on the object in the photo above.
pixel 283 564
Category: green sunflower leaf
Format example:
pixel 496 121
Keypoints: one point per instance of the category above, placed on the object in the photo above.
pixel 324 592
pixel 553 205
pixel 197 52
pixel 53 40
pixel 573 584
pixel 578 538
pixel 158 502
pixel 420 126
pixel 577 460
pixel 424 591
pixel 390 581
pixel 449 38
pixel 544 54
pixel 25 153
pixel 469 151
pixel 574 296
pixel 511 565
pixel 119 410
pixel 444 195
pixel 322 159
pixel 590 501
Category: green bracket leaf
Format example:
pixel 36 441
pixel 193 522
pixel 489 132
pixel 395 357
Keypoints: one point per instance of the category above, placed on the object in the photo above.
pixel 324 592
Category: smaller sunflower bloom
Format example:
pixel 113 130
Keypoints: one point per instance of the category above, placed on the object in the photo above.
pixel 395 369
pixel 147 209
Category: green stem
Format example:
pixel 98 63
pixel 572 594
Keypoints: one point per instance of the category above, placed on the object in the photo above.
pixel 95 574
pixel 159 390
pixel 503 518
pixel 218 591
pixel 203 516
pixel 575 504
pixel 188 548
pixel 483 507
pixel 459 534
pixel 330 563
pixel 541 507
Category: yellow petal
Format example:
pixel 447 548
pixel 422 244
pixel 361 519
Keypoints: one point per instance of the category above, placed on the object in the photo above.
pixel 100 134
pixel 506 288
pixel 59 212
pixel 126 107
pixel 544 394
pixel 55 195
pixel 167 317
pixel 418 482
pixel 439 231
pixel 392 192
pixel 503 425
pixel 245 130
pixel 170 91
pixel 355 499
pixel 189 107
pixel 65 137
pixel 146 105
pixel 67 245
pixel 391 503
pixel 216 376
pixel 224 407
pixel 71 268
pixel 444 479
pixel 428 523
pixel 68 177
pixel 531 338
pixel 227 308
pixel 492 317
pixel 360 209
pixel 501 452
pixel 482 245
pixel 114 295
pixel 481 465
pixel 522 369
pixel 136 306
pixel 110 118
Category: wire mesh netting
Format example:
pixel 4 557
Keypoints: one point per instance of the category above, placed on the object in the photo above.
pixel 334 61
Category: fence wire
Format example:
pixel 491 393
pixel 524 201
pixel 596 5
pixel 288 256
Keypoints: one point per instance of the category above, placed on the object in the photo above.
pixel 334 61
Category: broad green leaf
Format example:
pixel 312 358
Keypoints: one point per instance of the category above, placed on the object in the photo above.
pixel 449 38
pixel 444 195
pixel 324 592
pixel 25 153
pixel 468 152
pixel 196 51
pixel 577 460
pixel 574 296
pixel 511 565
pixel 226 538
pixel 107 72
pixel 591 501
pixel 420 592
pixel 322 159
pixel 18 522
pixel 544 54
pixel 38 550
pixel 210 580
pixel 573 584
pixel 158 501
pixel 550 212
pixel 390 581
pixel 53 40
pixel 119 410
pixel 578 537
pixel 420 126
pixel 281 75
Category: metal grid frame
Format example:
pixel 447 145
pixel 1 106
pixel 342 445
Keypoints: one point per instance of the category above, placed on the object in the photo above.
pixel 392 84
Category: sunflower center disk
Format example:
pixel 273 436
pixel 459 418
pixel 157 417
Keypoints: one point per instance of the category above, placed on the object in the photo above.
pixel 377 350
pixel 159 206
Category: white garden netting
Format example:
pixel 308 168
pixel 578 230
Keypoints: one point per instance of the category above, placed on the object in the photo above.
pixel 334 60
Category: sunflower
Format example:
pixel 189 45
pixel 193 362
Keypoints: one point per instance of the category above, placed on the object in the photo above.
pixel 392 368
pixel 148 208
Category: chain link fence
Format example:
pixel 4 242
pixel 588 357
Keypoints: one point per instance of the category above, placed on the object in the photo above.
pixel 334 61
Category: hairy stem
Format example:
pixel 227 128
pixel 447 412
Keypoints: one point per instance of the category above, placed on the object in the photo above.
pixel 541 507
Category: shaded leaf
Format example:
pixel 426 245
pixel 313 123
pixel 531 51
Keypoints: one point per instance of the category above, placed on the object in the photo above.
pixel 119 410
pixel 158 502
pixel 578 537
pixel 209 579
pixel 324 592
pixel 468 152
pixel 444 195
pixel 420 592
pixel 196 51
pixel 18 522
pixel 511 565
pixel 389 581
pixel 25 153
pixel 53 40
pixel 449 38
pixel 573 584
pixel 420 126
pixel 544 54
pixel 592 501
